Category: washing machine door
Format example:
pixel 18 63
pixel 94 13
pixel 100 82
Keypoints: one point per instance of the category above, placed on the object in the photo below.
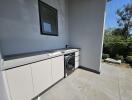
pixel 70 62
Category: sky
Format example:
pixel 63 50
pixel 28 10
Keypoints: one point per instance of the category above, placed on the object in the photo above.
pixel 111 8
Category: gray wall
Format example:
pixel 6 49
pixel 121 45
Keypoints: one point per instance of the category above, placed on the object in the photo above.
pixel 86 19
pixel 19 27
pixel 20 32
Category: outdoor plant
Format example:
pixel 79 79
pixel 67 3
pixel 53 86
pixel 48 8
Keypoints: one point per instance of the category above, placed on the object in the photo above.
pixel 118 40
pixel 114 45
pixel 130 53
pixel 119 57
pixel 105 56
pixel 130 47
pixel 129 59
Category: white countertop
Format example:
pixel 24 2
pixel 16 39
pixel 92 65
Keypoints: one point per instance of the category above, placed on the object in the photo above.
pixel 13 61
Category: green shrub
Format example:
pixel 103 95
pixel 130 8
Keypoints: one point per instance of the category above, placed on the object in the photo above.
pixel 104 56
pixel 118 48
pixel 129 48
pixel 114 48
pixel 115 45
pixel 119 57
pixel 129 59
pixel 129 53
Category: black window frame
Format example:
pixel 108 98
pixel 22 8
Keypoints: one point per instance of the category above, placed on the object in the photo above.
pixel 40 20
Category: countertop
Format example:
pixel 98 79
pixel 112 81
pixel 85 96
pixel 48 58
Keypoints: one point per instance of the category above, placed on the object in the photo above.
pixel 12 61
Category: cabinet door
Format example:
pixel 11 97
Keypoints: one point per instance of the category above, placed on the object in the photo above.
pixel 20 83
pixel 42 78
pixel 57 68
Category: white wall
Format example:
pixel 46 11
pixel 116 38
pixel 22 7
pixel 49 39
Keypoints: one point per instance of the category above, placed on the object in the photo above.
pixel 19 27
pixel 3 93
pixel 86 19
pixel 1 60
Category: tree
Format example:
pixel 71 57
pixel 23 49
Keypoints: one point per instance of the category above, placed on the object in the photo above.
pixel 109 30
pixel 125 19
pixel 118 32
pixel 115 31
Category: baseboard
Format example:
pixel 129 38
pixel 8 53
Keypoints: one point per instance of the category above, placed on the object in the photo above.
pixel 88 69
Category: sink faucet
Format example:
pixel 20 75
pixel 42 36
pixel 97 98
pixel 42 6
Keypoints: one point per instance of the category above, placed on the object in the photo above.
pixel 67 46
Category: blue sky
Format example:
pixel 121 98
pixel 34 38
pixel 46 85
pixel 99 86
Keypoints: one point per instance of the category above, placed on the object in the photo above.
pixel 111 8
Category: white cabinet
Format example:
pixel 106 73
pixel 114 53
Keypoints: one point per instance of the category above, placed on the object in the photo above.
pixel 26 82
pixel 46 73
pixel 57 68
pixel 42 75
pixel 19 81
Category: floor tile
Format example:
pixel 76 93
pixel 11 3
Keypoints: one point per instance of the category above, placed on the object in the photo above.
pixel 114 83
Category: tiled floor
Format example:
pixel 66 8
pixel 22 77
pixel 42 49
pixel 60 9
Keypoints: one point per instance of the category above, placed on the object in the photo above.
pixel 113 83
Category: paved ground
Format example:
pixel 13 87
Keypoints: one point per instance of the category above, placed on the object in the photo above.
pixel 113 83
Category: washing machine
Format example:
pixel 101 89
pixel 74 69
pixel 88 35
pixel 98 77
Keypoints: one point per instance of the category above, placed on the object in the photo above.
pixel 69 60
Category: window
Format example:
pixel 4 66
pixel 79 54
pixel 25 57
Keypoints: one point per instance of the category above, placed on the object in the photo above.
pixel 48 19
